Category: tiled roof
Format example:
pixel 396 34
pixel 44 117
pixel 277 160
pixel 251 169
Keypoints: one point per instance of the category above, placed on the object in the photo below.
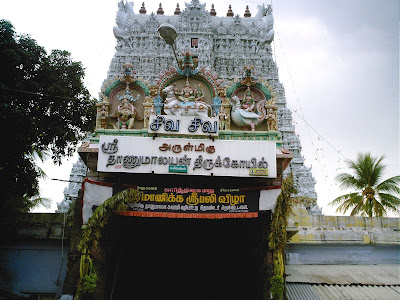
pixel 307 291
pixel 383 274
pixel 325 282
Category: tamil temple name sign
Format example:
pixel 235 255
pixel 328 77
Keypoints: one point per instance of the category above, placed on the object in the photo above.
pixel 187 156
pixel 195 200
pixel 184 125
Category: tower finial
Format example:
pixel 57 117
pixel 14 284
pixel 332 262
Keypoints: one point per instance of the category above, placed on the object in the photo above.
pixel 160 10
pixel 142 10
pixel 177 10
pixel 230 12
pixel 213 13
pixel 247 13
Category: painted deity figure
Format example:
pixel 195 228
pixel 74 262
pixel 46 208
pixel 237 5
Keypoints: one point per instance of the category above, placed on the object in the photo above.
pixel 223 116
pixel 126 112
pixel 187 93
pixel 271 117
pixel 184 104
pixel 248 102
pixel 199 94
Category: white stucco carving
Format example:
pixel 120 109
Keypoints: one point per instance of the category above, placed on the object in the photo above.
pixel 77 175
pixel 224 44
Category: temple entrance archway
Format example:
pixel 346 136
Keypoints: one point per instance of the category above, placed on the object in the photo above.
pixel 162 258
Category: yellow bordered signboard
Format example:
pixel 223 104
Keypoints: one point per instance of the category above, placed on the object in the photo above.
pixel 258 172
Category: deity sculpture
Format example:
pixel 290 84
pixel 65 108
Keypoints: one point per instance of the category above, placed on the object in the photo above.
pixel 199 93
pixel 126 112
pixel 242 117
pixel 148 110
pixel 188 101
pixel 188 93
pixel 248 102
pixel 223 117
pixel 124 11
pixel 271 117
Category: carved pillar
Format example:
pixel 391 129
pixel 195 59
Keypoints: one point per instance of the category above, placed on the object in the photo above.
pixel 272 108
pixel 271 117
pixel 225 115
pixel 102 114
pixel 148 110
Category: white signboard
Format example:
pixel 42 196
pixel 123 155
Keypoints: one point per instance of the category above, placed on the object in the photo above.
pixel 187 156
pixel 187 125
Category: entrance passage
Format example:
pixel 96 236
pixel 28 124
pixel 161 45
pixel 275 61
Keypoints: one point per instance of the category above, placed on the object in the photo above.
pixel 161 258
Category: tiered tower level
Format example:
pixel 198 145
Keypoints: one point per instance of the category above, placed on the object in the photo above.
pixel 221 48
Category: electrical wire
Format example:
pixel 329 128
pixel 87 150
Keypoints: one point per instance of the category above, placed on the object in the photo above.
pixel 301 110
pixel 308 126
pixel 37 94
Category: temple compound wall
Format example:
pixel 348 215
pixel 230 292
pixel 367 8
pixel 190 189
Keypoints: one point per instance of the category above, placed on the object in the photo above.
pixel 342 239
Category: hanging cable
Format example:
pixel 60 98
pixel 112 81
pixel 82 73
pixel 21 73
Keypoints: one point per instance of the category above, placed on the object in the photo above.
pixel 37 94
pixel 301 110
pixel 319 135
pixel 308 126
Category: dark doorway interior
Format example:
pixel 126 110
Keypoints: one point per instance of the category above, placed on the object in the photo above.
pixel 160 258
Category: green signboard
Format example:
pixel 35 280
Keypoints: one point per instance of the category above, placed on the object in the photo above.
pixel 178 169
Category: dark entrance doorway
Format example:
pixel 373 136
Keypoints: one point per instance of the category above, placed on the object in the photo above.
pixel 161 258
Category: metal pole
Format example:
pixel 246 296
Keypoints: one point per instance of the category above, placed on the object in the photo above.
pixel 173 49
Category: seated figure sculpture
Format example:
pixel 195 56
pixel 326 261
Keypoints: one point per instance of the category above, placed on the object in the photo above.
pixel 185 102
pixel 126 112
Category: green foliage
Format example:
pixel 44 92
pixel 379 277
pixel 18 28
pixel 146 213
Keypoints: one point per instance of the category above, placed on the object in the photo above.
pixel 277 287
pixel 92 233
pixel 278 234
pixel 89 283
pixel 371 197
pixel 44 106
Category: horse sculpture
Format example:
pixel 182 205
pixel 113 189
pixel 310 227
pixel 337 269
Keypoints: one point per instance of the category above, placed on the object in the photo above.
pixel 192 107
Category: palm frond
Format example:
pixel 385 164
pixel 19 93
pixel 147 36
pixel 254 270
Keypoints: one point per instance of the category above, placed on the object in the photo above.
pixel 347 181
pixel 359 208
pixel 377 208
pixel 390 201
pixel 342 198
pixel 390 185
pixel 377 170
pixel 354 201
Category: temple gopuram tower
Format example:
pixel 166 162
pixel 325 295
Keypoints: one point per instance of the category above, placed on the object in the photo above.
pixel 192 142
pixel 222 44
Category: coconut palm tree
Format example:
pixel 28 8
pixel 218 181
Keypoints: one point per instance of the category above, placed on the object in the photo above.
pixel 371 197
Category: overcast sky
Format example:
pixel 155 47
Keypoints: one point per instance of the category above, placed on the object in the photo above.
pixel 338 61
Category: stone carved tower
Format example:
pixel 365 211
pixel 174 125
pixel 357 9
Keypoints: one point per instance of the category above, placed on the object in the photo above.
pixel 77 175
pixel 223 44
